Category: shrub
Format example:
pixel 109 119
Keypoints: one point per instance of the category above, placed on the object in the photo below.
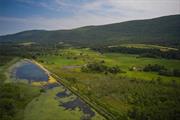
pixel 100 67
pixel 154 68
pixel 162 70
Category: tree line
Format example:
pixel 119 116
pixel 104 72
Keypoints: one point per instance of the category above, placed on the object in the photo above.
pixel 162 70
pixel 152 53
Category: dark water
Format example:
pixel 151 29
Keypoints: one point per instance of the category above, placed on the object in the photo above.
pixel 30 72
pixel 72 105
pixel 82 106
pixel 63 94
pixel 51 86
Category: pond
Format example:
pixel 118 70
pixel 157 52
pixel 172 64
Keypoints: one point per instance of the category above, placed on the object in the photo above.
pixel 27 70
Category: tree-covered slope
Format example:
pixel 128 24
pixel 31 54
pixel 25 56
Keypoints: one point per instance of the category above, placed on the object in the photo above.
pixel 162 30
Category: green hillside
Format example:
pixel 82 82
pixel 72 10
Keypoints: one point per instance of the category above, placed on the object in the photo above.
pixel 162 31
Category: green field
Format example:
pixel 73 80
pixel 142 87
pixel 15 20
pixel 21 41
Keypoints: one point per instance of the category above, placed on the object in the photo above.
pixel 77 57
pixel 125 95
pixel 129 95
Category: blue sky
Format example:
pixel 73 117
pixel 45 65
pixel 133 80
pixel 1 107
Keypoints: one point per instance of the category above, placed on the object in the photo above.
pixel 19 15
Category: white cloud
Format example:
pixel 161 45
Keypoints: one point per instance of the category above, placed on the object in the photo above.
pixel 96 12
pixel 151 7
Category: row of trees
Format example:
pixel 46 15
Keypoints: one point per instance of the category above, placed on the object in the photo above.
pixel 30 51
pixel 153 53
pixel 162 70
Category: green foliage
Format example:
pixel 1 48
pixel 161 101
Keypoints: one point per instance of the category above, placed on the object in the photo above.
pixel 119 96
pixel 9 50
pixel 13 99
pixel 42 90
pixel 5 59
pixel 154 68
pixel 173 72
pixel 101 68
pixel 125 95
pixel 148 46
pixel 134 99
pixel 7 108
pixel 143 52
pixel 8 95
pixel 162 70
pixel 71 80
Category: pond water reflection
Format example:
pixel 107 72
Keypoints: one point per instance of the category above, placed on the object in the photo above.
pixel 31 72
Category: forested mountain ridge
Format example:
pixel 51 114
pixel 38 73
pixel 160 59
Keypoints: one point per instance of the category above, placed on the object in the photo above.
pixel 163 31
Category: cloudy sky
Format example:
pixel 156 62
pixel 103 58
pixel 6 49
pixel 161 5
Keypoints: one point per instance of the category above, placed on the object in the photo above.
pixel 19 15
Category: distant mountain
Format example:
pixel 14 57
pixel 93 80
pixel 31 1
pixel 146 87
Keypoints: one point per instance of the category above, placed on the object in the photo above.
pixel 163 31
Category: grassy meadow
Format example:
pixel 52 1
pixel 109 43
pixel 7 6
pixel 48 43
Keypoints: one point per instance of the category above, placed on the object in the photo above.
pixel 126 95
pixel 131 94
pixel 71 60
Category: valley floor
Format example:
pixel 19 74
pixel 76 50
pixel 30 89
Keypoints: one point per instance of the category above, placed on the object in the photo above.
pixel 126 95
pixel 55 102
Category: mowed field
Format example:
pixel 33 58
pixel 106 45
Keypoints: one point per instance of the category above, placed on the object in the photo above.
pixel 128 95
